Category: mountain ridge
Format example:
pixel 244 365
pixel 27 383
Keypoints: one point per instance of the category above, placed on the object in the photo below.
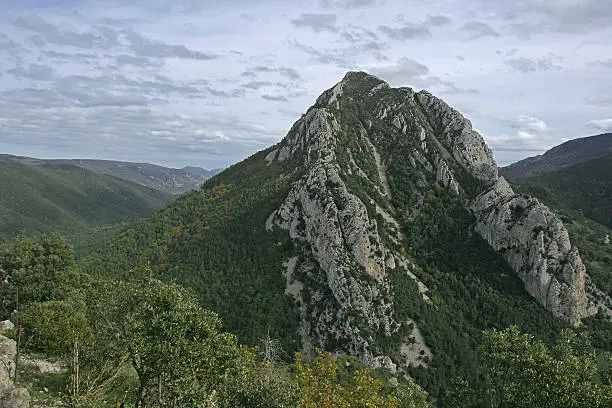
pixel 567 154
pixel 169 180
pixel 69 199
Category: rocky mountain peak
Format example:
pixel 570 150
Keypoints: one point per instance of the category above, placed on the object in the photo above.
pixel 365 157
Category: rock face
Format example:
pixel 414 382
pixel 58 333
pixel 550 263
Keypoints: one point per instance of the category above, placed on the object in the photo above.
pixel 10 396
pixel 349 230
pixel 537 246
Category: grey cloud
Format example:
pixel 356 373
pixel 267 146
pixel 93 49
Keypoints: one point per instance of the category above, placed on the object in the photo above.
pixel 138 61
pixel 255 85
pixel 349 4
pixel 275 98
pixel 437 20
pixel 602 63
pixel 290 73
pixel 110 90
pixel 404 70
pixel 344 57
pixel 604 125
pixel 82 57
pixel 356 34
pixel 236 93
pixel 600 101
pixel 146 47
pixel 101 37
pixel 477 29
pixel 34 71
pixel 408 72
pixel 408 31
pixel 318 22
pixel 103 98
pixel 579 16
pixel 325 57
pixel 33 97
pixel 527 65
pixel 36 24
pixel 134 133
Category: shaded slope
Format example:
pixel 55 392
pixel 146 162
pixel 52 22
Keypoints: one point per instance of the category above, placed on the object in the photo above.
pixel 567 154
pixel 584 187
pixel 69 200
pixel 168 180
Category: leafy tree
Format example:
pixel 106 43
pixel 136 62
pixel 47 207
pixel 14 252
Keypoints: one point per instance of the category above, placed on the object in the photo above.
pixel 258 382
pixel 523 372
pixel 174 346
pixel 319 386
pixel 58 328
pixel 40 269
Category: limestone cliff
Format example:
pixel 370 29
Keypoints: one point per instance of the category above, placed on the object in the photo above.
pixel 348 225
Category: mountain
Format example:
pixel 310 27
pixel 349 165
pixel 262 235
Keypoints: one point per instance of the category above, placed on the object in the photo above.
pixel 69 199
pixel 168 180
pixel 200 172
pixel 378 227
pixel 584 187
pixel 565 155
pixel 582 195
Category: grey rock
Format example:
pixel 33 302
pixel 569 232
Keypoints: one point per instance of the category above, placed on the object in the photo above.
pixel 7 325
pixel 10 396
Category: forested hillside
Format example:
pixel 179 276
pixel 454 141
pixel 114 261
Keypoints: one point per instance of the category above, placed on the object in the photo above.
pixel 585 188
pixel 168 180
pixel 86 206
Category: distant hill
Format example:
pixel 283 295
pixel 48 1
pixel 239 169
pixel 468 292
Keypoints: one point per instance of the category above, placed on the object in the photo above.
pixel 567 154
pixel 585 187
pixel 71 200
pixel 200 172
pixel 169 180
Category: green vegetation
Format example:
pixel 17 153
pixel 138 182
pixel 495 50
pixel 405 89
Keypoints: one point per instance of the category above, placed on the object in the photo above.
pixel 215 242
pixel 522 372
pixel 585 188
pixel 84 206
pixel 145 343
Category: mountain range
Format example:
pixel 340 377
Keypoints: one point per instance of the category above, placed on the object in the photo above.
pixel 76 202
pixel 559 157
pixel 378 227
pixel 168 180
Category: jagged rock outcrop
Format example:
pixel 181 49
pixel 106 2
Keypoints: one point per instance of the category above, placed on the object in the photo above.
pixel 537 246
pixel 349 231
pixel 10 395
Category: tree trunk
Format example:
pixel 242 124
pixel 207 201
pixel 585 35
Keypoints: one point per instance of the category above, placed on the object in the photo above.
pixel 75 368
pixel 18 333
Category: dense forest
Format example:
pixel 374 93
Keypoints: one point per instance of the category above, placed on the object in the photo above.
pixel 142 342
pixel 146 319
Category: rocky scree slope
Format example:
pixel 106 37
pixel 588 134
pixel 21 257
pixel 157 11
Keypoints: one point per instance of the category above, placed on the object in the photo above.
pixel 344 214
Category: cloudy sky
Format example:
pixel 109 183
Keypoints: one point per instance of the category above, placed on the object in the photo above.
pixel 209 82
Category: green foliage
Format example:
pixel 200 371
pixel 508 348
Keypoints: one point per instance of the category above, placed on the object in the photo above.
pixel 215 241
pixel 173 345
pixel 320 388
pixel 523 372
pixel 258 382
pixel 54 326
pixel 80 204
pixel 41 269
pixel 584 187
